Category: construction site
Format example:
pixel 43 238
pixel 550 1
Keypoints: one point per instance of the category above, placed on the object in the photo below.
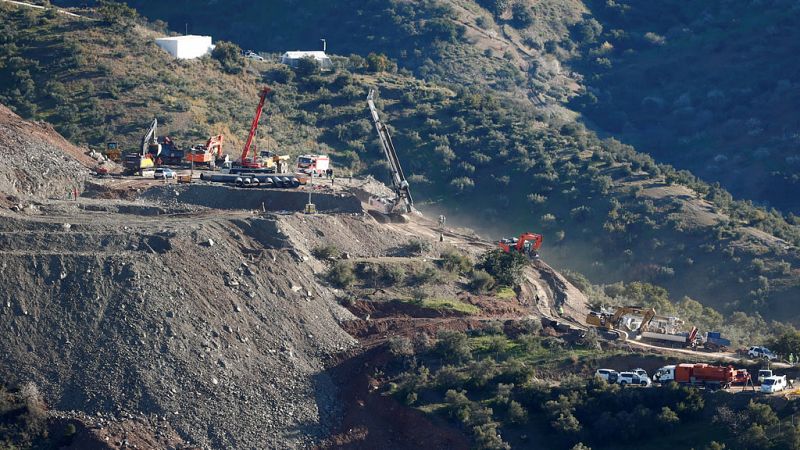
pixel 178 297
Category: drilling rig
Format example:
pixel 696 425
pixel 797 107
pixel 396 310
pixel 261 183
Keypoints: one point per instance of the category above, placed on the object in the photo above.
pixel 402 201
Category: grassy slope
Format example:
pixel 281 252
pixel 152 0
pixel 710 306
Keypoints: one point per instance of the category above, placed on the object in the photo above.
pixel 479 156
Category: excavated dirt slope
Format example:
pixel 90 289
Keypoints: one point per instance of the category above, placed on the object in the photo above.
pixel 209 319
pixel 37 161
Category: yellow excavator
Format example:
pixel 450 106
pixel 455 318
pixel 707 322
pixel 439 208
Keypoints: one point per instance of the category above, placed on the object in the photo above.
pixel 611 321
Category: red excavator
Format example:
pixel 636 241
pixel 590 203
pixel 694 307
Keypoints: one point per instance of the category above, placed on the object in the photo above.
pixel 527 243
pixel 209 154
pixel 253 162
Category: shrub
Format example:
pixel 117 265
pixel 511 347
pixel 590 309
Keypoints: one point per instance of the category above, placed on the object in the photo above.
pixel 378 62
pixel 306 67
pixel 506 268
pixel 325 251
pixel 522 17
pixel 566 424
pixel 392 275
pixel 516 413
pixel 454 261
pixel 453 346
pixel 229 55
pixel 417 247
pixel 481 281
pixel 281 74
pixel 115 12
pixel 423 275
pixel 401 346
pixel 448 377
pixel 667 417
pixel 341 275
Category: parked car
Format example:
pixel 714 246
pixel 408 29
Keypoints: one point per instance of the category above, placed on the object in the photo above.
pixel 253 55
pixel 630 378
pixel 764 374
pixel 773 384
pixel 643 375
pixel 609 375
pixel 163 172
pixel 761 352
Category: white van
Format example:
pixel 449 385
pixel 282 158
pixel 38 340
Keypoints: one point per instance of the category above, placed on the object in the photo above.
pixel 772 384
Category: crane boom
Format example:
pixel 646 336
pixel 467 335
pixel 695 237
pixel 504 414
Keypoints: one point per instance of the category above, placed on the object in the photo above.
pixel 253 128
pixel 399 182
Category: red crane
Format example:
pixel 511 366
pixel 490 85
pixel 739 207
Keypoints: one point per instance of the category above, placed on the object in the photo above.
pixel 527 243
pixel 244 160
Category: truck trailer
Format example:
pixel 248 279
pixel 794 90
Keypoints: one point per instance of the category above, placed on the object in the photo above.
pixel 706 375
pixel 684 339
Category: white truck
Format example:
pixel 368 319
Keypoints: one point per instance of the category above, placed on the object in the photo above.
pixel 775 383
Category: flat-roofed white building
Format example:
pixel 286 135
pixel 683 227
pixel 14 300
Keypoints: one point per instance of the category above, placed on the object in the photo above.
pixel 292 58
pixel 186 47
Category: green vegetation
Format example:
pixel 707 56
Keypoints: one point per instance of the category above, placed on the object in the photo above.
pixel 229 55
pixel 325 251
pixel 341 275
pixel 499 389
pixel 505 268
pixel 449 304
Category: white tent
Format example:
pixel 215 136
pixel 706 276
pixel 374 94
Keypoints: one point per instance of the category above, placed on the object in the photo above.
pixel 292 58
pixel 186 47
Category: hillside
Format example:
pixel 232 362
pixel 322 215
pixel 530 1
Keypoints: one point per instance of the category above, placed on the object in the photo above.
pixel 606 210
pixel 132 319
pixel 706 87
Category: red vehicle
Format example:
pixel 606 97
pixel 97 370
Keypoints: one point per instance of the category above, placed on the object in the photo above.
pixel 702 375
pixel 527 243
pixel 209 154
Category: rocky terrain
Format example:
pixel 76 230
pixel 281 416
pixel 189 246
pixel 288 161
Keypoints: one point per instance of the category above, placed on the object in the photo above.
pixel 37 162
pixel 159 313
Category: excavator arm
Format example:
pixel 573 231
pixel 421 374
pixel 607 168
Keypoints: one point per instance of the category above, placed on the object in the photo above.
pixel 150 139
pixel 534 239
pixel 399 182
pixel 214 145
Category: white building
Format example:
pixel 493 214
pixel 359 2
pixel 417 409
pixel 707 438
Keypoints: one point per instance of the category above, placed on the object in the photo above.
pixel 186 47
pixel 292 58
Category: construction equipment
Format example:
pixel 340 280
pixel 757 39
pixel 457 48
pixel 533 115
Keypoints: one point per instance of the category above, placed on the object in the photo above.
pixel 714 341
pixel 527 244
pixel 611 321
pixel 314 165
pixel 253 162
pixel 402 200
pixel 702 375
pixel 684 338
pixel 149 150
pixel 170 153
pixel 275 163
pixel 113 152
pixel 208 155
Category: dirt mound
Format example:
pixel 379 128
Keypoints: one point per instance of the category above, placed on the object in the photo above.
pixel 203 320
pixel 37 161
